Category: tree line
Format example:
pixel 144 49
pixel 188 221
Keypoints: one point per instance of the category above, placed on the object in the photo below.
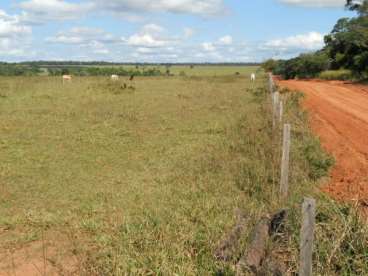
pixel 346 47
pixel 102 71
pixel 7 69
pixel 97 68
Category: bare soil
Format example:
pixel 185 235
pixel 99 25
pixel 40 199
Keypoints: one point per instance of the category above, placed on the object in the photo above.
pixel 43 257
pixel 339 116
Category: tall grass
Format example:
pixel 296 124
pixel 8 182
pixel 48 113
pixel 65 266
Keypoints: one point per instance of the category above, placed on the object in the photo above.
pixel 341 74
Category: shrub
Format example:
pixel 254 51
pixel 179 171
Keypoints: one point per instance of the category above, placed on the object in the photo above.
pixel 303 66
pixel 341 74
pixel 269 65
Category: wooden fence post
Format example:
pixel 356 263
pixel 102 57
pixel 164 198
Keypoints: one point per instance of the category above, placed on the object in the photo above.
pixel 281 111
pixel 270 82
pixel 307 236
pixel 275 107
pixel 284 181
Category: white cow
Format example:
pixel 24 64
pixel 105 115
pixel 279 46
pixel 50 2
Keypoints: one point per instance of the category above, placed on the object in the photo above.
pixel 114 77
pixel 67 78
pixel 253 77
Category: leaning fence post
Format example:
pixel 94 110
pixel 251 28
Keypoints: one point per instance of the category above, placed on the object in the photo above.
pixel 307 236
pixel 284 181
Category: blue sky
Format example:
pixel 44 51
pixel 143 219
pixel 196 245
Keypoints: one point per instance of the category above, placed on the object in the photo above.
pixel 164 30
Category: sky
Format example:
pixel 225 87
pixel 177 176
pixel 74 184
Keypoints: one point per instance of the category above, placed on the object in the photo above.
pixel 164 30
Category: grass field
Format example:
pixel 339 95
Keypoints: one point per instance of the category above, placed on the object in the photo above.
pixel 145 181
pixel 127 171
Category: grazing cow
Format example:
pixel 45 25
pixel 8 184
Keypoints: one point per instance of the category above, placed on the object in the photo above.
pixel 253 77
pixel 67 78
pixel 114 77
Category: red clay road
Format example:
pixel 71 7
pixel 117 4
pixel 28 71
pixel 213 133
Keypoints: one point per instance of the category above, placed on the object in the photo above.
pixel 339 116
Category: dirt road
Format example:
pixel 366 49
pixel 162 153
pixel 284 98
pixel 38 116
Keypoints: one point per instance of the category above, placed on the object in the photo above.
pixel 339 116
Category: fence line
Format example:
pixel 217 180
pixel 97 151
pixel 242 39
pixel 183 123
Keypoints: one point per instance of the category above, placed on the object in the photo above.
pixel 309 204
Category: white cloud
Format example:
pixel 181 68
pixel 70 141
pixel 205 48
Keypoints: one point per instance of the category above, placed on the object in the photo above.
pixel 152 28
pixel 226 40
pixel 150 35
pixel 198 7
pixel 316 3
pixel 14 36
pixel 88 40
pixel 43 10
pixel 309 41
pixel 143 50
pixel 103 51
pixel 146 40
pixel 10 26
pixel 83 35
pixel 208 47
pixel 221 43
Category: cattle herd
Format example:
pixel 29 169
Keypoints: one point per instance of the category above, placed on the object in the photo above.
pixel 68 78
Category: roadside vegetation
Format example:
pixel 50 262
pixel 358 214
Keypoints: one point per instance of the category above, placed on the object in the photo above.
pixel 346 48
pixel 146 181
pixel 341 235
pixel 341 74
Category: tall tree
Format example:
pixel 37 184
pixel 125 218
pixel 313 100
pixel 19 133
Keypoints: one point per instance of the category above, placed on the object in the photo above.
pixel 347 44
pixel 360 6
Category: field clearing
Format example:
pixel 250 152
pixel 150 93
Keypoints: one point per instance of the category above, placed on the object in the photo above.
pixel 131 172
